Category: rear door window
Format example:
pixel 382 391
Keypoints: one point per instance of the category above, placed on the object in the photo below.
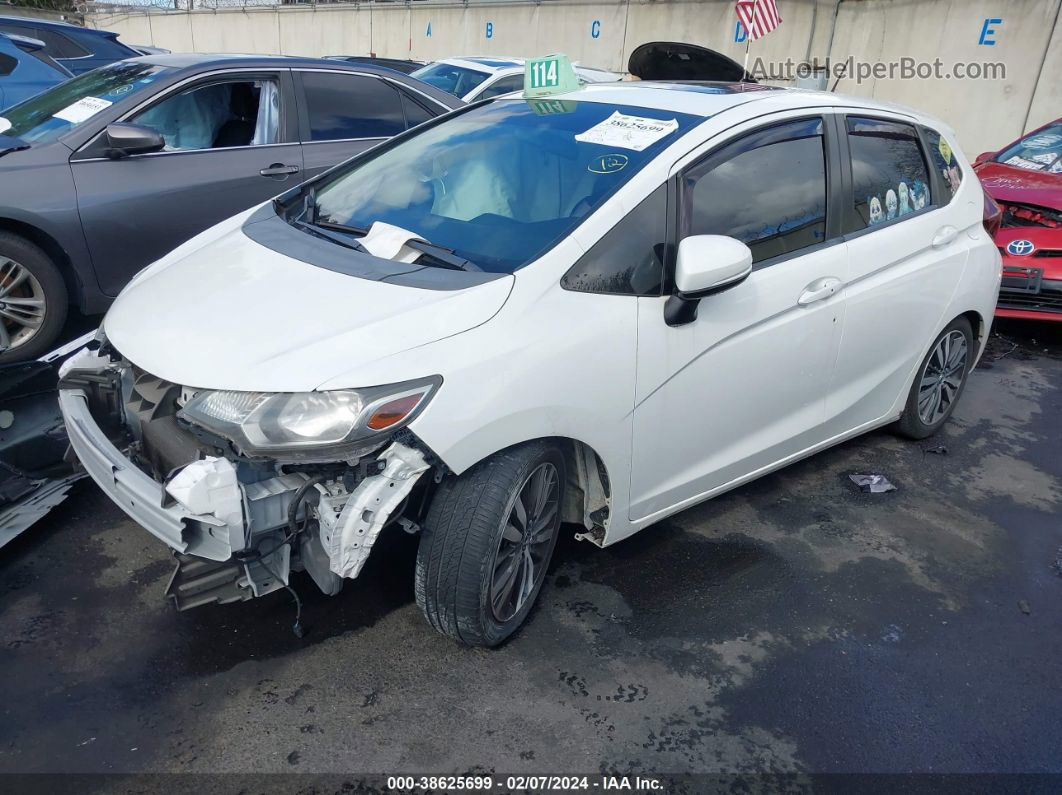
pixel 889 174
pixel 343 106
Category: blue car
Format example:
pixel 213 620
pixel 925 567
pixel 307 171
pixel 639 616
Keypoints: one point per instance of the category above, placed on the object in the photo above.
pixel 78 49
pixel 25 70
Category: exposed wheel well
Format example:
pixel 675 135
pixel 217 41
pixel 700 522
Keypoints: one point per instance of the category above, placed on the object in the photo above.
pixel 50 247
pixel 588 492
pixel 977 323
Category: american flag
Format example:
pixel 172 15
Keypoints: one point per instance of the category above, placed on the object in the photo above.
pixel 759 17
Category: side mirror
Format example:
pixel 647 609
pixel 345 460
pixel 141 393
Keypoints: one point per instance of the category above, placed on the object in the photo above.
pixel 984 156
pixel 706 265
pixel 131 139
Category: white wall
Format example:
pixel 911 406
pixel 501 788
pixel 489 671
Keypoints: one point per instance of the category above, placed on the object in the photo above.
pixel 985 113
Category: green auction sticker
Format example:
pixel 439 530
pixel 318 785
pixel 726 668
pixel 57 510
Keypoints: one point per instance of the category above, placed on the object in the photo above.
pixel 552 74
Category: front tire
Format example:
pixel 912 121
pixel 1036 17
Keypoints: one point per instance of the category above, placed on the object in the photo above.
pixel 33 300
pixel 487 542
pixel 940 381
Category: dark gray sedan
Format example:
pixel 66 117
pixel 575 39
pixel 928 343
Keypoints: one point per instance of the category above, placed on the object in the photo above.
pixel 105 173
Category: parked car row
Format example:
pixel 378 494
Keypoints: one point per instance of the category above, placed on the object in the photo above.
pixel 107 172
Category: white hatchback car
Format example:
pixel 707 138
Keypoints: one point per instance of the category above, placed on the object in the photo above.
pixel 599 308
pixel 484 77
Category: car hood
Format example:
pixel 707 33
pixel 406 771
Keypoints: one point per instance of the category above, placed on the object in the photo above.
pixel 1011 184
pixel 234 314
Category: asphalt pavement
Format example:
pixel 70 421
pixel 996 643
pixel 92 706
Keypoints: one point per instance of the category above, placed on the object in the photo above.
pixel 795 625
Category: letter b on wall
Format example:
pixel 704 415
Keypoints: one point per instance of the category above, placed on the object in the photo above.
pixel 490 30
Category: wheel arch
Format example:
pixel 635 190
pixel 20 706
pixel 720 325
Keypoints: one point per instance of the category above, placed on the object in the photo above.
pixel 50 246
pixel 977 323
pixel 588 496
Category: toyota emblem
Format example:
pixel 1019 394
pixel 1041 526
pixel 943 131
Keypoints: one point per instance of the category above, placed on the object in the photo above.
pixel 1020 248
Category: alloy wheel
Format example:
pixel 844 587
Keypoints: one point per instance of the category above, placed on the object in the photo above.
pixel 22 305
pixel 526 542
pixel 942 377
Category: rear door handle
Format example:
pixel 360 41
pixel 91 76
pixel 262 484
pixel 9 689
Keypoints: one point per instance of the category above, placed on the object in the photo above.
pixel 279 170
pixel 945 235
pixel 819 290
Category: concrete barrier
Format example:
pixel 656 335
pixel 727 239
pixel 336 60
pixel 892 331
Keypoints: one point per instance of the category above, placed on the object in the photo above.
pixel 1023 35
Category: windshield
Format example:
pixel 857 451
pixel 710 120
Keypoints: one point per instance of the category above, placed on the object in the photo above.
pixel 501 183
pixel 63 107
pixel 456 80
pixel 1041 151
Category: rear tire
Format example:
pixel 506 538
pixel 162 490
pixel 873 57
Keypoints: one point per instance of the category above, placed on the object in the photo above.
pixel 33 300
pixel 478 571
pixel 940 381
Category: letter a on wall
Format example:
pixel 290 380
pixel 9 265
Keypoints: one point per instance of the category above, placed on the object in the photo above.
pixel 428 31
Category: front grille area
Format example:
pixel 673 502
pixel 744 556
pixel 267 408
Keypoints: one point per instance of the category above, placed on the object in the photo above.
pixel 151 410
pixel 1047 299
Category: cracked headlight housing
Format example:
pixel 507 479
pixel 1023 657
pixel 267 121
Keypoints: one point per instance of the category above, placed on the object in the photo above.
pixel 334 421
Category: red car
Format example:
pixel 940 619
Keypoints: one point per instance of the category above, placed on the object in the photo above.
pixel 1025 180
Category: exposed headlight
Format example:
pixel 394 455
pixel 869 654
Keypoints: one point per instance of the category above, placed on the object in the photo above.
pixel 273 422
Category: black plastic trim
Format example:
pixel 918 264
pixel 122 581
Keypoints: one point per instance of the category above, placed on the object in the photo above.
pixel 268 229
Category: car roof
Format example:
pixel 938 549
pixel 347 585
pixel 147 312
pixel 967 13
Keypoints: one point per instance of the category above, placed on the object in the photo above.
pixel 484 63
pixel 703 98
pixel 55 23
pixel 193 63
pixel 197 61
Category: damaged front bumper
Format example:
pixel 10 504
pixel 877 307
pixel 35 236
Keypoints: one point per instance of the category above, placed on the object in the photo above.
pixel 230 521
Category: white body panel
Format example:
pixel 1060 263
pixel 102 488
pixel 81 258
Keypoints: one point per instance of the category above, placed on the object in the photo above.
pixel 675 414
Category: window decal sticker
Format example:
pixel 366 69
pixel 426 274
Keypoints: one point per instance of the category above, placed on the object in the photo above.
pixel 945 150
pixel 919 195
pixel 905 199
pixel 628 132
pixel 876 216
pixel 84 108
pixel 890 204
pixel 1044 141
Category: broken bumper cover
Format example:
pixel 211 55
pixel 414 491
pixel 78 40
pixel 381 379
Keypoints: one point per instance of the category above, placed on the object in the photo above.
pixel 232 537
pixel 134 491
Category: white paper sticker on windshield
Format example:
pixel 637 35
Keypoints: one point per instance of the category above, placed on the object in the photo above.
pixel 84 108
pixel 628 132
pixel 5 125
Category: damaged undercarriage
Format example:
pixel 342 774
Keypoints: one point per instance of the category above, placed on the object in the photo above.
pixel 238 525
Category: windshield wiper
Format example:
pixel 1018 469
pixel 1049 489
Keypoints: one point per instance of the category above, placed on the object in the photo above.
pixel 9 143
pixel 341 240
pixel 443 257
pixel 438 256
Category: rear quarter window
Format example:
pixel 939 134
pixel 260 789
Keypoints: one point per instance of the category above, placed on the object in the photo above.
pixel 944 163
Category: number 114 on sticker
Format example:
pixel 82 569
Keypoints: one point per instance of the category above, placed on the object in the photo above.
pixel 544 74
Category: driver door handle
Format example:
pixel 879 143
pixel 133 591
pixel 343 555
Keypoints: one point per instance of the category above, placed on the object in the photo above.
pixel 279 170
pixel 819 290
pixel 944 236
